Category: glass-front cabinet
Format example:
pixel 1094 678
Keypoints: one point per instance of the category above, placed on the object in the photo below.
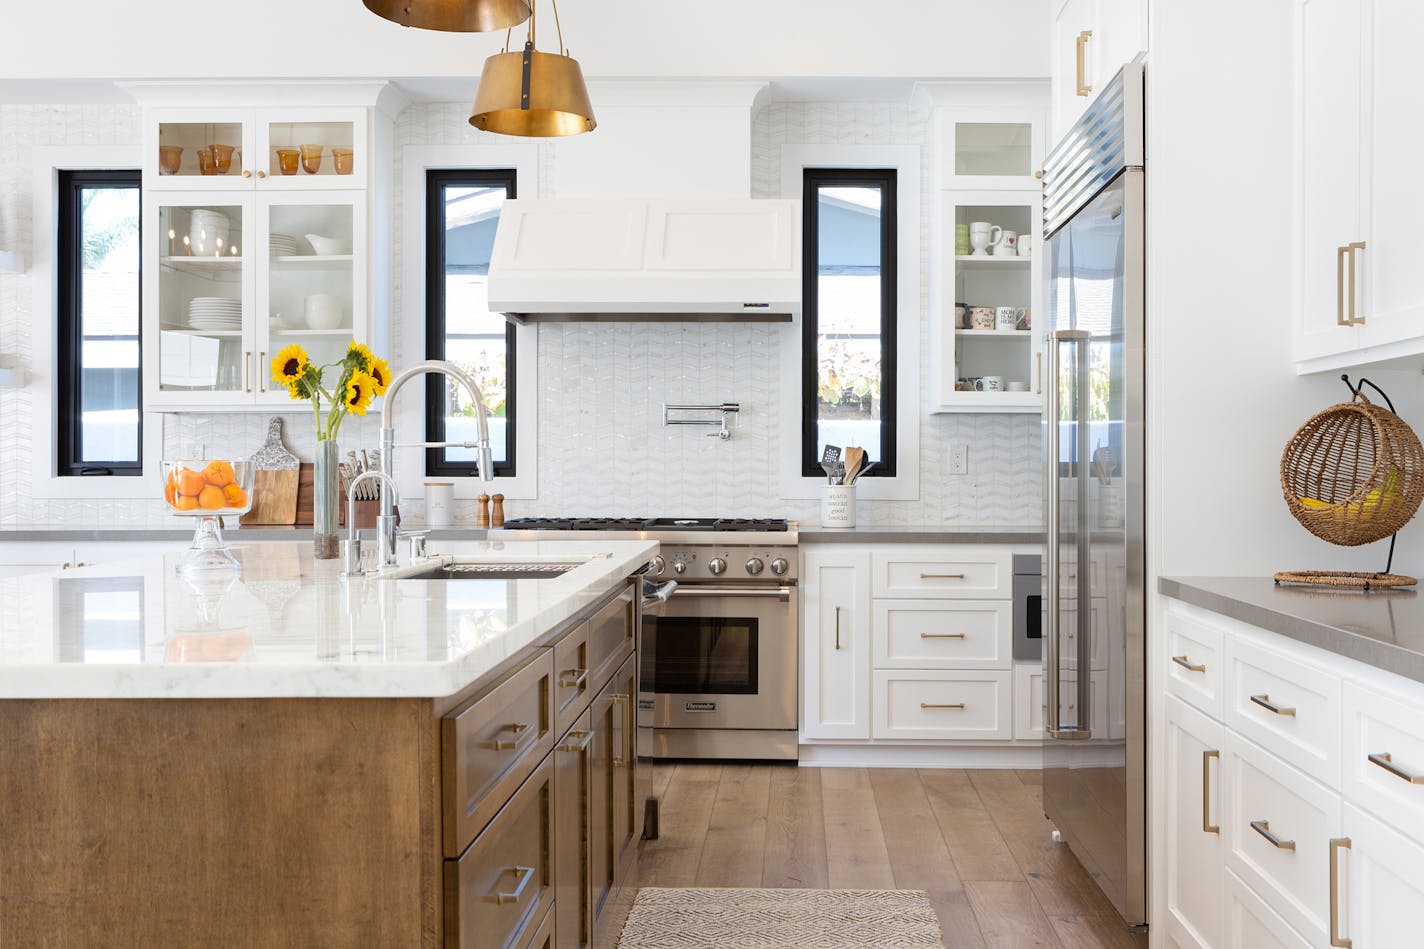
pixel 231 278
pixel 265 149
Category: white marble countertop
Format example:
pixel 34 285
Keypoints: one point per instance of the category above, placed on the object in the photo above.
pixel 288 625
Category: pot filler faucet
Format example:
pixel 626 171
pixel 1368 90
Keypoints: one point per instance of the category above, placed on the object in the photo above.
pixel 386 522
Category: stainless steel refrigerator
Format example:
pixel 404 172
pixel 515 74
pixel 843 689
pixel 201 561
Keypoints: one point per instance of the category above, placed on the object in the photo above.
pixel 1095 754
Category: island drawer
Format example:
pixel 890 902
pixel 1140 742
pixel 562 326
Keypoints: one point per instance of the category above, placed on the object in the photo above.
pixel 611 633
pixel 572 669
pixel 497 892
pixel 492 745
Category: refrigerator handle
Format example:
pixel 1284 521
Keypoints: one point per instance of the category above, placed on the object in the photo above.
pixel 1053 723
pixel 1084 613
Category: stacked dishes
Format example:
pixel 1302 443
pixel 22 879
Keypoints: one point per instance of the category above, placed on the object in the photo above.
pixel 282 245
pixel 208 233
pixel 215 313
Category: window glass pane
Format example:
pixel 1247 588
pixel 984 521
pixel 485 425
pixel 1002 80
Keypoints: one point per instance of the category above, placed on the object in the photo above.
pixel 475 338
pixel 849 319
pixel 108 324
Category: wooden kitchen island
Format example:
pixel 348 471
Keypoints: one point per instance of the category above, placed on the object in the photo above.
pixel 301 760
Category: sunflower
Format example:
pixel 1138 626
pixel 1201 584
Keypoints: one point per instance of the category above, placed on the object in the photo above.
pixel 380 373
pixel 359 392
pixel 290 365
pixel 358 356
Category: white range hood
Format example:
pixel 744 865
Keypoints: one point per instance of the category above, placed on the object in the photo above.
pixel 664 259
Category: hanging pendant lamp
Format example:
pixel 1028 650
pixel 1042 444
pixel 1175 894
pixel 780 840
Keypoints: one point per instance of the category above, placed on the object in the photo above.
pixel 533 94
pixel 452 16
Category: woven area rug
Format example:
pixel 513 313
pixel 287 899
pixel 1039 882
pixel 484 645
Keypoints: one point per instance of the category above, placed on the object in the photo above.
pixel 781 919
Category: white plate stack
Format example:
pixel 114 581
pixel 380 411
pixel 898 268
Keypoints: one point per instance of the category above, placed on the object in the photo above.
pixel 215 313
pixel 208 233
pixel 282 245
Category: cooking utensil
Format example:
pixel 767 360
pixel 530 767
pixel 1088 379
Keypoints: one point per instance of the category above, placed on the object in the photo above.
pixel 854 458
pixel 831 454
pixel 861 470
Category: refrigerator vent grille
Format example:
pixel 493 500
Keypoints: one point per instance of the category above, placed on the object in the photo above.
pixel 1107 139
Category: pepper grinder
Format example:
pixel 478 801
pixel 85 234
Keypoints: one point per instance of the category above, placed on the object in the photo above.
pixel 482 515
pixel 497 514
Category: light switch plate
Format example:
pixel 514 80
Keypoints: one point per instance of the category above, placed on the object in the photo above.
pixel 959 459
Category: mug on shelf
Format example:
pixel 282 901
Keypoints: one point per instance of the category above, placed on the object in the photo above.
pixel 989 384
pixel 838 505
pixel 1007 317
pixel 984 236
pixel 1018 386
pixel 1008 244
pixel 961 240
pixel 982 317
pixel 1025 245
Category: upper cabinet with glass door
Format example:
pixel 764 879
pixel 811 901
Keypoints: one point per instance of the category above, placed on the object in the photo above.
pixel 990 148
pixel 266 149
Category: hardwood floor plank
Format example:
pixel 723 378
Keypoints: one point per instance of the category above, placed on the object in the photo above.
pixel 977 848
pixel 1009 915
pixel 958 926
pixel 735 847
pixel 684 813
pixel 1031 777
pixel 795 830
pixel 1095 932
pixel 855 845
pixel 662 777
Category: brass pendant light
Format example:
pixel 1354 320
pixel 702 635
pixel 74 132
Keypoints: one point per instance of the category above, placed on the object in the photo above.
pixel 452 16
pixel 533 94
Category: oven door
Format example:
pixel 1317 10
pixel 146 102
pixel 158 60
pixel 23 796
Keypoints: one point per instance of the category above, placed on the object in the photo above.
pixel 723 657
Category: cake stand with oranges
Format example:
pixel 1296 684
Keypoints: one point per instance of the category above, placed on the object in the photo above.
pixel 208 489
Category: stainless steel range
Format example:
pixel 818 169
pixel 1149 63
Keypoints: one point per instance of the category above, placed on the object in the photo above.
pixel 719 646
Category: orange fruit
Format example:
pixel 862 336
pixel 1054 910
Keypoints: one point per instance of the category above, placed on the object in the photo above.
pixel 219 473
pixel 185 502
pixel 235 496
pixel 211 498
pixel 170 490
pixel 190 482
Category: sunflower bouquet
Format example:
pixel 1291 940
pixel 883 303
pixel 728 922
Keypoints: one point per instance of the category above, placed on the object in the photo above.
pixel 361 377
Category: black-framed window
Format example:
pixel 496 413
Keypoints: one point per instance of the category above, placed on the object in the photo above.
pixel 461 213
pixel 98 386
pixel 848 371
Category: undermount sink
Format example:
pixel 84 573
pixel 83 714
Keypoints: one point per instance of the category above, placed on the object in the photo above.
pixel 491 571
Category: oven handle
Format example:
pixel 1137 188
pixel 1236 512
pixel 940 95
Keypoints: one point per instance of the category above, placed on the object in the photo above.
pixel 781 593
pixel 657 595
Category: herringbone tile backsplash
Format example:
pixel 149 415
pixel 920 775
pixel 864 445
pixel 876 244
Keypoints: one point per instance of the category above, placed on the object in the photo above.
pixel 602 445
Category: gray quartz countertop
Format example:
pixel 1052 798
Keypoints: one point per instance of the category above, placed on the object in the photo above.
pixel 920 534
pixel 1381 628
pixel 97 533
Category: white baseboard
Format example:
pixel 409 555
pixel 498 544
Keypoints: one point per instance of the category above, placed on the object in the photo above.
pixel 911 756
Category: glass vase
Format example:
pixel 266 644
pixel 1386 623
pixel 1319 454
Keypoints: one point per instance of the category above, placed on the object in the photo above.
pixel 326 500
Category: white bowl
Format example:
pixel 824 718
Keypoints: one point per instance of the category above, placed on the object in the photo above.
pixel 329 246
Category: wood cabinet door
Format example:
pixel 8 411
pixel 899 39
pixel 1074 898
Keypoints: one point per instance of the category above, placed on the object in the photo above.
pixel 573 777
pixel 625 830
pixel 1328 149
pixel 836 583
pixel 1194 855
pixel 602 862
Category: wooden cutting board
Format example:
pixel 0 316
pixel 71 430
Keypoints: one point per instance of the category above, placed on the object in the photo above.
pixel 274 488
pixel 306 495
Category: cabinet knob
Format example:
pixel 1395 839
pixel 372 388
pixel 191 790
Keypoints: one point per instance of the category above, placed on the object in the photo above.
pixel 1038 174
pixel 261 174
pixel 246 173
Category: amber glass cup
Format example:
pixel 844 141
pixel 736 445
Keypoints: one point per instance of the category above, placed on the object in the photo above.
pixel 205 161
pixel 169 158
pixel 287 160
pixel 311 158
pixel 222 158
pixel 342 158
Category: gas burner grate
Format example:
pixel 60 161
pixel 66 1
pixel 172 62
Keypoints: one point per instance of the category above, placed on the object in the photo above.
pixel 752 524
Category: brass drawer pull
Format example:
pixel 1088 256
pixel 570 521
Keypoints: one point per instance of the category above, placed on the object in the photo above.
pixel 620 701
pixel 1340 253
pixel 1187 664
pixel 573 678
pixel 1265 702
pixel 838 627
pixel 1084 88
pixel 519 729
pixel 1337 844
pixel 576 741
pixel 1263 827
pixel 1352 247
pixel 1386 761
pixel 941 635
pixel 525 875
pixel 937 705
pixel 1207 826
pixel 941 576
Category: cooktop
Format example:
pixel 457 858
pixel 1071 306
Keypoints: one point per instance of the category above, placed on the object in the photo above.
pixel 775 524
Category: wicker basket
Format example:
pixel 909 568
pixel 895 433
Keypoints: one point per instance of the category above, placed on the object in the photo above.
pixel 1354 473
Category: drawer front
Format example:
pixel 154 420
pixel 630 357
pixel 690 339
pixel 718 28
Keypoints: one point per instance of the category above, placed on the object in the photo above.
pixel 491 746
pixel 938 705
pixel 1383 761
pixel 1194 661
pixel 1293 874
pixel 572 670
pixel 497 892
pixel 918 634
pixel 1251 924
pixel 611 632
pixel 949 572
pixel 1289 708
pixel 542 935
pixel 572 858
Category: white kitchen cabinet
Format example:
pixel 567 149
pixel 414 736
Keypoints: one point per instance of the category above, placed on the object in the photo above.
pixel 1251 924
pixel 1195 862
pixel 1357 298
pixel 1378 908
pixel 1091 40
pixel 943 704
pixel 836 638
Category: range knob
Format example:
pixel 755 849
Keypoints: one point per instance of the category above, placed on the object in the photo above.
pixel 717 565
pixel 779 566
pixel 755 566
pixel 659 566
pixel 679 566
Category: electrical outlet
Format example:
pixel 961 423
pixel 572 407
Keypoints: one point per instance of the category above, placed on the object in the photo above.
pixel 959 459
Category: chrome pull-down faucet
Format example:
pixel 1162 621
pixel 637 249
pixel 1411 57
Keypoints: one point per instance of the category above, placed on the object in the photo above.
pixel 386 522
pixel 351 561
